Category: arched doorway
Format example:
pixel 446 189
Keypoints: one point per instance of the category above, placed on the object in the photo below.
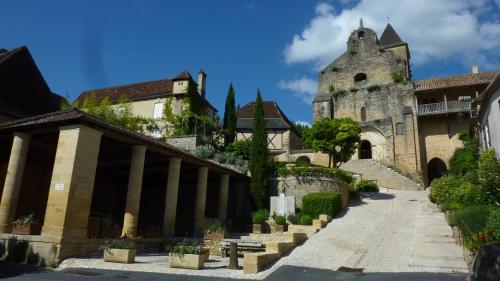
pixel 436 168
pixel 365 150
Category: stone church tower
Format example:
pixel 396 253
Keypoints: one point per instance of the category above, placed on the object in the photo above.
pixel 370 83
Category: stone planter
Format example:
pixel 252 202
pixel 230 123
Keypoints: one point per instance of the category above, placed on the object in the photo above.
pixel 280 228
pixel 26 229
pixel 188 261
pixel 119 255
pixel 219 235
pixel 258 228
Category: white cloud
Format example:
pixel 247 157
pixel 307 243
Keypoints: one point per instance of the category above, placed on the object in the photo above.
pixel 304 88
pixel 434 30
pixel 303 123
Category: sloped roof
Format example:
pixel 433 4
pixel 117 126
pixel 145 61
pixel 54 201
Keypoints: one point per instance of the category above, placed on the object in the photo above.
pixel 483 78
pixel 390 37
pixel 184 75
pixel 275 118
pixel 75 116
pixel 23 90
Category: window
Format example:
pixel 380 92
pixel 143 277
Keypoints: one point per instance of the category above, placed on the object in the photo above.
pixel 359 77
pixel 400 128
pixel 361 34
pixel 158 110
pixel 363 114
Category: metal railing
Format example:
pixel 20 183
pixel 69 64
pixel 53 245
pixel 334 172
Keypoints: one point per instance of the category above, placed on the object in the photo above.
pixel 444 107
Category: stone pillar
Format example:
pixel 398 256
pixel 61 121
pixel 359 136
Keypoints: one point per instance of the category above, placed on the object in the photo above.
pixel 223 194
pixel 13 180
pixel 72 183
pixel 174 172
pixel 201 197
pixel 134 191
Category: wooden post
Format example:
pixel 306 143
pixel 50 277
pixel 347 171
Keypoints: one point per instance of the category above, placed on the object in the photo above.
pixel 233 256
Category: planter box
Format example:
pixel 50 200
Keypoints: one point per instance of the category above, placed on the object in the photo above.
pixel 214 235
pixel 258 228
pixel 119 255
pixel 188 261
pixel 281 228
pixel 26 229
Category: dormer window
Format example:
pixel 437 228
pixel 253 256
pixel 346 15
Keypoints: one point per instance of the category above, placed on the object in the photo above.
pixel 359 77
pixel 361 34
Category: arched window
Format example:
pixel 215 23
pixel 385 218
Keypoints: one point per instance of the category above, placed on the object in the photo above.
pixel 400 128
pixel 363 114
pixel 303 160
pixel 365 150
pixel 361 34
pixel 359 77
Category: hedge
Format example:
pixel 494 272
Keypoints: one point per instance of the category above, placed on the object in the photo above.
pixel 312 171
pixel 365 185
pixel 315 204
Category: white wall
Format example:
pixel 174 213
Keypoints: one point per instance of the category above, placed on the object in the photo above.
pixel 491 118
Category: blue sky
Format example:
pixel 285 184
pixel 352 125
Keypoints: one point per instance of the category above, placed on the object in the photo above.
pixel 277 46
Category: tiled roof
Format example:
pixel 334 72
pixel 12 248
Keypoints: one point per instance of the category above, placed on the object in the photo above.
pixel 184 75
pixel 275 118
pixel 390 37
pixel 75 116
pixel 454 81
pixel 132 91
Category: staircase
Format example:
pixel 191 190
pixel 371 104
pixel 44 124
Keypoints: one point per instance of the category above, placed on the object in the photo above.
pixel 385 176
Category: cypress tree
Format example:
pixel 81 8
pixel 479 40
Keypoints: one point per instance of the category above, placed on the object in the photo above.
pixel 259 159
pixel 230 117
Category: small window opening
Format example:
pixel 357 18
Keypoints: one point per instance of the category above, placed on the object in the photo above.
pixel 359 77
pixel 361 34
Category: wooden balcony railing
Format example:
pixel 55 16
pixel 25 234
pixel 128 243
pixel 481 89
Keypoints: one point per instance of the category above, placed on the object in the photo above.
pixel 444 107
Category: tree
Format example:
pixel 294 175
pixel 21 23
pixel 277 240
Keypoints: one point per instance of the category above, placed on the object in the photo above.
pixel 230 117
pixel 259 155
pixel 330 135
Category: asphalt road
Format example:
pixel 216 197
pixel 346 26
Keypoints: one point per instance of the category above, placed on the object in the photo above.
pixel 284 273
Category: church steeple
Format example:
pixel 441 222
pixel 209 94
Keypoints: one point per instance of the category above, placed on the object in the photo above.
pixel 361 23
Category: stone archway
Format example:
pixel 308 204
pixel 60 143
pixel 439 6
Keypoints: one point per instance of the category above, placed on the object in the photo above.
pixel 377 141
pixel 365 150
pixel 436 168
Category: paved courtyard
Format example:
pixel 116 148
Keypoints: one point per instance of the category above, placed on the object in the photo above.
pixel 391 235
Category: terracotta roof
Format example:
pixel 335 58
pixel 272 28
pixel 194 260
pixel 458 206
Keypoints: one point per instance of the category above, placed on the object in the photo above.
pixel 75 116
pixel 184 75
pixel 275 118
pixel 454 81
pixel 390 37
pixel 135 91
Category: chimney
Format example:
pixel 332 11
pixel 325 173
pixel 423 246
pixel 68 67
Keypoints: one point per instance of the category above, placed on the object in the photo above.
pixel 202 80
pixel 475 69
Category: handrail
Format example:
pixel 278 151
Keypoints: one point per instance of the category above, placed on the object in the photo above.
pixel 442 107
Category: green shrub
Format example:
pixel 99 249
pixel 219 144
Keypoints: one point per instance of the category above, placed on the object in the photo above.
pixel 293 219
pixel 260 216
pixel 440 188
pixel 493 222
pixel 205 152
pixel 472 219
pixel 315 204
pixel 240 148
pixel 489 177
pixel 464 160
pixel 463 195
pixel 185 248
pixel 398 77
pixel 452 219
pixel 373 88
pixel 280 220
pixel 121 244
pixel 338 94
pixel 365 185
pixel 306 220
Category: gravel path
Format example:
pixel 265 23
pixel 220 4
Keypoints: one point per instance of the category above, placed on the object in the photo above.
pixel 390 231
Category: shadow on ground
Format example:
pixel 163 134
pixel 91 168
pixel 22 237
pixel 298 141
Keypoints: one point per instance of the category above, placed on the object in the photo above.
pixel 11 269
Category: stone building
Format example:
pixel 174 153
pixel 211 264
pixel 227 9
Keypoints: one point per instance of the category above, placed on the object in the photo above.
pixel 489 116
pixel 149 99
pixel 23 90
pixel 86 181
pixel 282 136
pixel 411 125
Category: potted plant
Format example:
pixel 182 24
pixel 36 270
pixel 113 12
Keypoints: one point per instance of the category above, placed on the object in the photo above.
pixel 121 251
pixel 215 232
pixel 258 219
pixel 281 225
pixel 188 255
pixel 26 225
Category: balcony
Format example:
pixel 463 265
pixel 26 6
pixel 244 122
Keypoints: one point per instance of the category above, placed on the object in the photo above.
pixel 444 107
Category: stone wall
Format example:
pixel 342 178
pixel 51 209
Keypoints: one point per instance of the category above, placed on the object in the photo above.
pixel 184 142
pixel 300 186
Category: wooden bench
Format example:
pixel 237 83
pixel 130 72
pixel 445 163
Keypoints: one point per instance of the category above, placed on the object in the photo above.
pixel 243 245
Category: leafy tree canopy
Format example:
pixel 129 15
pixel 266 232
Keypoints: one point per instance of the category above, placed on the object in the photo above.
pixel 330 135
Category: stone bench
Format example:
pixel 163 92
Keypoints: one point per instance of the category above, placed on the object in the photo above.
pixel 256 262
